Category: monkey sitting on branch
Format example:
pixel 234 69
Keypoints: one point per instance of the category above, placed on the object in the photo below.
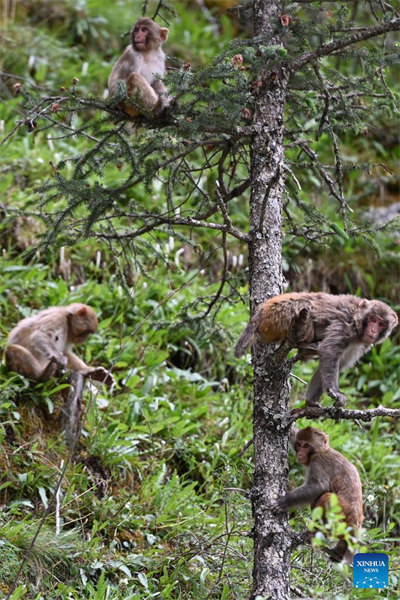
pixel 40 347
pixel 328 472
pixel 336 329
pixel 141 66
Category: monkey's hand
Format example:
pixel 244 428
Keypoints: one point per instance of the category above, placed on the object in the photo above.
pixel 61 360
pixel 55 367
pixel 279 505
pixel 101 374
pixel 338 397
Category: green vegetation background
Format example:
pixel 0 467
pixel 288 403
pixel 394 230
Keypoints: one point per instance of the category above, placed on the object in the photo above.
pixel 153 504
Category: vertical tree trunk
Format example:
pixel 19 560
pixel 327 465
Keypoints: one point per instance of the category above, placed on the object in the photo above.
pixel 72 418
pixel 271 390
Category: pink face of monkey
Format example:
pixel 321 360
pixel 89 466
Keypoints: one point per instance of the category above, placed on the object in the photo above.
pixel 141 37
pixel 147 35
pixel 303 452
pixel 374 328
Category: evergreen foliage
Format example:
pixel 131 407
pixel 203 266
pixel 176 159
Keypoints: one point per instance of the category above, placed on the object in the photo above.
pixel 197 160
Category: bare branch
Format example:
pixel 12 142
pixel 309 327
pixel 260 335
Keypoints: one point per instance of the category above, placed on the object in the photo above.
pixel 324 174
pixel 336 414
pixel 223 277
pixel 228 222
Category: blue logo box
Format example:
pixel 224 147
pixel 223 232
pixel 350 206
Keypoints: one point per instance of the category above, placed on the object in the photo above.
pixel 371 570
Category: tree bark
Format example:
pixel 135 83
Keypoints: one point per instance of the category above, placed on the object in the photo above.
pixel 72 421
pixel 271 389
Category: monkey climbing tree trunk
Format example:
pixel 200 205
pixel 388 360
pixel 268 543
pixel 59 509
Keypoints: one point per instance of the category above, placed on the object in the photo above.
pixel 271 391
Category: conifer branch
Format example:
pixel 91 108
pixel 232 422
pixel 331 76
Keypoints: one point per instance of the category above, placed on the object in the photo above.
pixel 331 47
pixel 173 221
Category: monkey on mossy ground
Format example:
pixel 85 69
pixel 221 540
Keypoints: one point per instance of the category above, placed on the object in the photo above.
pixel 40 347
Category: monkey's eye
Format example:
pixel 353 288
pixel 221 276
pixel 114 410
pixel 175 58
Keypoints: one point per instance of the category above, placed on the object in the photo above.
pixel 307 446
pixel 380 322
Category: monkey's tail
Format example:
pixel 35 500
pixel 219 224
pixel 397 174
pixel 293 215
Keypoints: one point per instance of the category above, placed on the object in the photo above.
pixel 248 336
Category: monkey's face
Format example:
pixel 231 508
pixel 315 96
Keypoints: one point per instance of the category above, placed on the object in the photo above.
pixel 140 37
pixel 303 452
pixel 308 442
pixel 374 329
pixel 81 336
pixel 81 324
pixel 379 322
pixel 147 35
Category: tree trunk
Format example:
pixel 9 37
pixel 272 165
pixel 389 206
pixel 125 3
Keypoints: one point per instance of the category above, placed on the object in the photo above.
pixel 72 421
pixel 271 390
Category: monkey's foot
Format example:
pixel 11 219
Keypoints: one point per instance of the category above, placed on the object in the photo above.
pixel 338 397
pixel 333 556
pixel 54 368
pixel 313 404
pixel 338 553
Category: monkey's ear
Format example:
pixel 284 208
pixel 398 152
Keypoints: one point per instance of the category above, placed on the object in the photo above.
pixel 77 310
pixel 316 437
pixel 164 34
pixel 323 441
pixel 364 303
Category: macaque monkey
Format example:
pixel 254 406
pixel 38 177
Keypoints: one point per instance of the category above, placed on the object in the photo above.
pixel 336 329
pixel 328 472
pixel 40 347
pixel 141 66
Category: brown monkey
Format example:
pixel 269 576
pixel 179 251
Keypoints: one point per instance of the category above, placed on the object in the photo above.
pixel 39 347
pixel 328 472
pixel 336 329
pixel 141 65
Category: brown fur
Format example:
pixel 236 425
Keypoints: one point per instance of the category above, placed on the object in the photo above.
pixel 336 329
pixel 328 472
pixel 140 66
pixel 40 347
